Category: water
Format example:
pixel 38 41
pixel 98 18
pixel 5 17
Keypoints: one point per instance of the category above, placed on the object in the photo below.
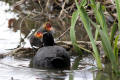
pixel 7 36
pixel 18 69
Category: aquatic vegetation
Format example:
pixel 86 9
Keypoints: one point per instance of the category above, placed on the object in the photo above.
pixel 108 43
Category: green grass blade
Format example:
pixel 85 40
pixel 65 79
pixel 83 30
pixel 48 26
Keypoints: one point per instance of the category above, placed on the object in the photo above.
pixel 85 19
pixel 97 8
pixel 98 28
pixel 109 50
pixel 93 5
pixel 75 16
pixel 113 31
pixel 101 18
pixel 83 2
pixel 116 48
pixel 118 12
pixel 97 32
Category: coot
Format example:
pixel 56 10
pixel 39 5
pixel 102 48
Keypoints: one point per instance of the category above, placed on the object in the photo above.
pixel 36 38
pixel 51 56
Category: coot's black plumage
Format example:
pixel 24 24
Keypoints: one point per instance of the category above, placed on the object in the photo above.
pixel 50 56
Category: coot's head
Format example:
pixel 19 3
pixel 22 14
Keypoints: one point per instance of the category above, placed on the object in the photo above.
pixel 48 39
pixel 38 34
pixel 47 27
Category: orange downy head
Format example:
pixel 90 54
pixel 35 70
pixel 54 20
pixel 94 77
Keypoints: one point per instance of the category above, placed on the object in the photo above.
pixel 39 34
pixel 48 26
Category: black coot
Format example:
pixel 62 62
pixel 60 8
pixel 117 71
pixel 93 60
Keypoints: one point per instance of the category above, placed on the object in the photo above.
pixel 51 56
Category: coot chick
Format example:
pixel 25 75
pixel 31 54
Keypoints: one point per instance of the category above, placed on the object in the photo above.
pixel 36 38
pixel 51 56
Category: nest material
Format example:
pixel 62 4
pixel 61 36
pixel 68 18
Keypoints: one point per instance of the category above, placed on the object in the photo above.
pixel 22 53
pixel 29 52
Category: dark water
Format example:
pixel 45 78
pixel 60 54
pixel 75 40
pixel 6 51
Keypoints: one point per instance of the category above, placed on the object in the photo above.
pixel 17 69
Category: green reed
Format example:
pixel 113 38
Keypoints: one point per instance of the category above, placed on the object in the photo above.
pixel 108 42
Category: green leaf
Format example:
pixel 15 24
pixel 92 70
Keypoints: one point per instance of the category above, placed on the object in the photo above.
pixel 75 16
pixel 116 48
pixel 101 18
pixel 118 12
pixel 113 31
pixel 85 19
pixel 83 2
pixel 108 48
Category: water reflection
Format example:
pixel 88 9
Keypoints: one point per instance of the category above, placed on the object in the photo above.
pixel 19 70
pixel 30 74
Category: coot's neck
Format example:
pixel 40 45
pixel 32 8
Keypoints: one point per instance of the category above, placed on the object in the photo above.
pixel 48 39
